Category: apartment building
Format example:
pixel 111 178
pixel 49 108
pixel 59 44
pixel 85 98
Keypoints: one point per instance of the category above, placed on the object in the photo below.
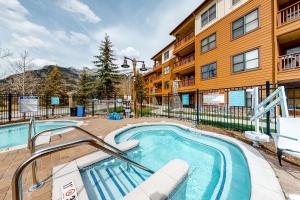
pixel 232 43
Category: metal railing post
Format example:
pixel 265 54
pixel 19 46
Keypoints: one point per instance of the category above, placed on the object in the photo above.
pixel 9 107
pixel 93 107
pixel 268 113
pixel 168 105
pixel 197 99
pixel 47 107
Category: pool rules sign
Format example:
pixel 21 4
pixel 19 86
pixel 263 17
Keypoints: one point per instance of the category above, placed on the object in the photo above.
pixel 29 104
pixel 69 191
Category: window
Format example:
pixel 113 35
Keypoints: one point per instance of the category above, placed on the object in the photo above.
pixel 246 61
pixel 235 2
pixel 245 24
pixel 166 85
pixel 208 43
pixel 208 15
pixel 166 55
pixel 209 71
pixel 166 70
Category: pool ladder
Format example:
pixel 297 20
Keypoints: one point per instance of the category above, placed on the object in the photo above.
pixel 94 141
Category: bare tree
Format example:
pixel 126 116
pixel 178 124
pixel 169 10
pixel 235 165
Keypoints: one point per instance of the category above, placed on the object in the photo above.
pixel 23 80
pixel 4 53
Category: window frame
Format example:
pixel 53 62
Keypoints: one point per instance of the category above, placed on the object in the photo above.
pixel 244 61
pixel 245 24
pixel 209 70
pixel 208 43
pixel 208 15
pixel 166 53
pixel 166 67
pixel 168 83
pixel 233 3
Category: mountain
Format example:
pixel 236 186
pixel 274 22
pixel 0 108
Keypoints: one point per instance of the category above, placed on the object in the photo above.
pixel 34 78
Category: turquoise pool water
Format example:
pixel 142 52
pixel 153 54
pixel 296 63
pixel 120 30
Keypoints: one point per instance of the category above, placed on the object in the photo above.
pixel 15 135
pixel 218 169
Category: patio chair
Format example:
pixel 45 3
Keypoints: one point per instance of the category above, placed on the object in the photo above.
pixel 287 139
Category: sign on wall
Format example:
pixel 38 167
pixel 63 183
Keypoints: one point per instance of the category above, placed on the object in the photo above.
pixel 216 99
pixel 237 98
pixel 54 101
pixel 29 104
pixel 185 99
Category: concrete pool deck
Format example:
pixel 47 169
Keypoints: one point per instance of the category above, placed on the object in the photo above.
pixel 289 175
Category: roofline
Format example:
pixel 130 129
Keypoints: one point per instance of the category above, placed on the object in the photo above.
pixel 188 17
pixel 163 49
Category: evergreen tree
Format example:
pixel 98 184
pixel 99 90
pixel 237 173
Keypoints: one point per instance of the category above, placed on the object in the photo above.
pixel 107 77
pixel 85 87
pixel 139 87
pixel 53 85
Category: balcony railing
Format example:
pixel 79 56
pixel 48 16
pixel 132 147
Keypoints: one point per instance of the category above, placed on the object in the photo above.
pixel 157 77
pixel 156 64
pixel 289 14
pixel 185 60
pixel 187 82
pixel 290 61
pixel 185 39
pixel 157 90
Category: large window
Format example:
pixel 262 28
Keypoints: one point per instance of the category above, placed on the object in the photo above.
pixel 166 85
pixel 166 55
pixel 209 71
pixel 166 70
pixel 235 2
pixel 246 61
pixel 245 24
pixel 208 43
pixel 208 15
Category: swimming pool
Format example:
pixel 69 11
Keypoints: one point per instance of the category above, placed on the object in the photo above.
pixel 17 134
pixel 218 169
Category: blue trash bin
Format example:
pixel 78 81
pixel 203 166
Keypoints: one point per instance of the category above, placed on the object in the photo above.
pixel 80 111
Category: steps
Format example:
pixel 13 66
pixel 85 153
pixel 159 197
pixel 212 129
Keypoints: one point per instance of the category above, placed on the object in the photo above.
pixel 112 181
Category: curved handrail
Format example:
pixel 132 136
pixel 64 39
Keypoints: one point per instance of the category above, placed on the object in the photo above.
pixel 16 186
pixel 34 138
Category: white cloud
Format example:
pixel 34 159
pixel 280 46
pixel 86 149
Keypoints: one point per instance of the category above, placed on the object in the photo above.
pixel 80 9
pixel 28 42
pixel 130 52
pixel 14 16
pixel 74 38
pixel 40 62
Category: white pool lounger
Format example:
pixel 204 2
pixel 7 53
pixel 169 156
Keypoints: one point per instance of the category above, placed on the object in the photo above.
pixel 287 140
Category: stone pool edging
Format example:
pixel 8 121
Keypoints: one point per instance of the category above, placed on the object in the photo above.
pixel 263 179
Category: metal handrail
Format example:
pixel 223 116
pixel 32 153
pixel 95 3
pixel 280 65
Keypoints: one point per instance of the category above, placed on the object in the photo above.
pixel 31 146
pixel 16 183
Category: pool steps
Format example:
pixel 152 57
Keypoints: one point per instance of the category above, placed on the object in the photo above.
pixel 160 184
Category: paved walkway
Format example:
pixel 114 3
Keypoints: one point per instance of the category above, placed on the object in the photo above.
pixel 289 175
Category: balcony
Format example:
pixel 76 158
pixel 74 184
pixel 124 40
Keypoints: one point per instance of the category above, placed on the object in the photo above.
pixel 288 14
pixel 185 63
pixel 157 65
pixel 288 62
pixel 186 84
pixel 157 79
pixel 184 42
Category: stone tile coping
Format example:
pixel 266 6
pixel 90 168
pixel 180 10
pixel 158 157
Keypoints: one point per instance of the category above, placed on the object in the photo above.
pixel 263 179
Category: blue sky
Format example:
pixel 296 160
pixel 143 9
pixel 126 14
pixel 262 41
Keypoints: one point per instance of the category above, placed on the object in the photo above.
pixel 68 32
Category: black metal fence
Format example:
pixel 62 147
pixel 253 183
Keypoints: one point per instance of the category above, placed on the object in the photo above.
pixel 198 107
pixel 10 107
pixel 201 109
